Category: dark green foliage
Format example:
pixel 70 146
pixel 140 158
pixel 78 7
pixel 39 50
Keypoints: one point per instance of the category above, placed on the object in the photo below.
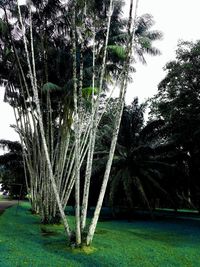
pixel 144 165
pixel 178 103
pixel 12 169
pixel 50 87
pixel 140 167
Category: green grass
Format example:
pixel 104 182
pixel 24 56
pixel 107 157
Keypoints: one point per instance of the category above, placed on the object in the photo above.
pixel 163 243
pixel 179 210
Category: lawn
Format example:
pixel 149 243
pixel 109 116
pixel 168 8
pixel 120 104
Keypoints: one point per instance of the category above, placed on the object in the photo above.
pixel 162 243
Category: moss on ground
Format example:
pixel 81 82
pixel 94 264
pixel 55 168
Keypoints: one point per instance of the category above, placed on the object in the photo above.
pixel 164 243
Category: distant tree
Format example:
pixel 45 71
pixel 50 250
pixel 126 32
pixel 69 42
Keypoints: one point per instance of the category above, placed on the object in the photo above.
pixel 178 103
pixel 12 169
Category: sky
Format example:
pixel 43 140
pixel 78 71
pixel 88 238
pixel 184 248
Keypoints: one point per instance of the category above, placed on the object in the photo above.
pixel 177 19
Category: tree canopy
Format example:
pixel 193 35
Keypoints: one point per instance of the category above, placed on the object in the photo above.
pixel 178 103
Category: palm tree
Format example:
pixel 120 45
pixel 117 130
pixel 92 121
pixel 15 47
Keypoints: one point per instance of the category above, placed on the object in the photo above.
pixel 143 161
pixel 144 37
pixel 44 122
pixel 30 90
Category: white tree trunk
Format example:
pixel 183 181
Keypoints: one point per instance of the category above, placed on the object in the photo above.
pixel 40 120
pixel 94 115
pixel 119 112
pixel 76 132
pixel 107 171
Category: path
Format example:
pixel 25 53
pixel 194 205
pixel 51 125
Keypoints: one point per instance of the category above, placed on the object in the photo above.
pixel 4 204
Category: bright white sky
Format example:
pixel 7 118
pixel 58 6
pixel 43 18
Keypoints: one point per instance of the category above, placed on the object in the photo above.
pixel 177 19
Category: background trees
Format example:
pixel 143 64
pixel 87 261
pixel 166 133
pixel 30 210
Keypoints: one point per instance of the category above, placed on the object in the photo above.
pixel 177 102
pixel 12 169
pixel 163 153
pixel 145 164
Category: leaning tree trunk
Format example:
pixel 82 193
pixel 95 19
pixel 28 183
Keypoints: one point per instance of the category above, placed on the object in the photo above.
pixel 33 78
pixel 119 112
pixel 94 122
pixel 108 168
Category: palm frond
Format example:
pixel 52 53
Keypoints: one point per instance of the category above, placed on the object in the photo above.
pixel 50 87
pixel 139 186
pixel 87 91
pixel 118 51
pixel 114 186
pixel 154 35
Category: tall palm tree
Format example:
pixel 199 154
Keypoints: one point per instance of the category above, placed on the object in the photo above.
pixel 144 37
pixel 142 164
pixel 55 30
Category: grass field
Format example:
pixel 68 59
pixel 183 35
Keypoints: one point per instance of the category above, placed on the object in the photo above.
pixel 163 243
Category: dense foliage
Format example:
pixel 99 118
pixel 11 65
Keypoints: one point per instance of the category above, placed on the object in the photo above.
pixel 156 163
pixel 12 169
pixel 178 103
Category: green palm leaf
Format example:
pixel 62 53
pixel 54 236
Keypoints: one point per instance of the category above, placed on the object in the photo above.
pixel 50 87
pixel 87 91
pixel 118 51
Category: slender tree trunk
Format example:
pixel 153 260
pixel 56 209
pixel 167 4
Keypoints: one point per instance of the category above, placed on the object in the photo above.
pixel 108 169
pixel 88 171
pixel 94 121
pixel 39 114
pixel 119 112
pixel 77 132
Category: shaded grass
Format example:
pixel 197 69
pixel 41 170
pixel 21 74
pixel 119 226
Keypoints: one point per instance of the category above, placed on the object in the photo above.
pixel 1 197
pixel 164 243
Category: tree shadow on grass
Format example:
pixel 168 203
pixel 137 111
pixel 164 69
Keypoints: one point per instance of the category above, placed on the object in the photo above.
pixel 174 232
pixel 167 238
pixel 85 256
pixel 1 212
